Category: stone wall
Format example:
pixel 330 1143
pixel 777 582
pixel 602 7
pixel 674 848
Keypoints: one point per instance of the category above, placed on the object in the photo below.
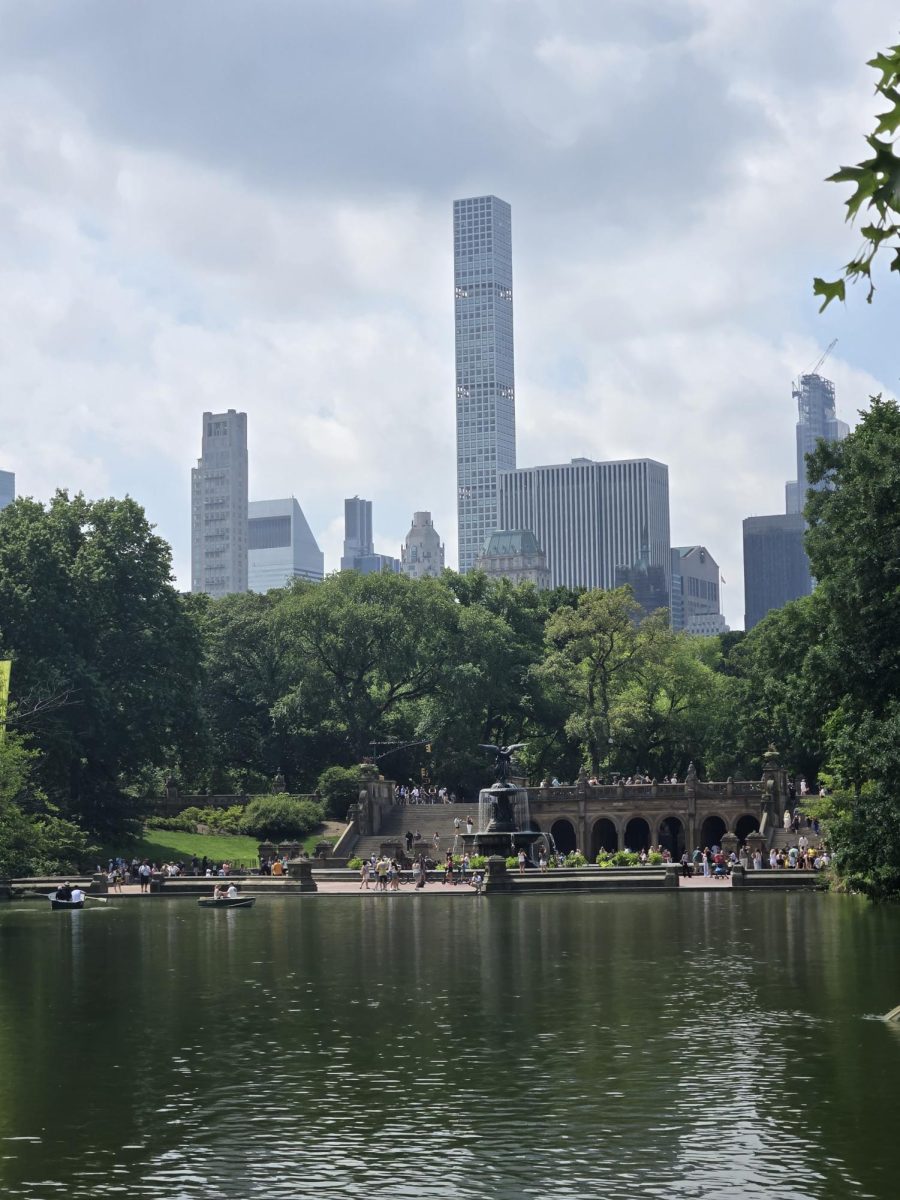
pixel 677 815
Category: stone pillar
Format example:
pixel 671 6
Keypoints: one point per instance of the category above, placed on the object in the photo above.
pixel 673 874
pixel 497 878
pixel 756 841
pixel 738 876
pixel 729 844
pixel 300 873
pixel 99 885
pixel 171 795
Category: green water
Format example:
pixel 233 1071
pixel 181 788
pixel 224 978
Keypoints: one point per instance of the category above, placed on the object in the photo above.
pixel 704 1045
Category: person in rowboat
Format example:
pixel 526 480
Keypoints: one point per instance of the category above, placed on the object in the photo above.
pixel 64 892
pixel 77 895
pixel 232 893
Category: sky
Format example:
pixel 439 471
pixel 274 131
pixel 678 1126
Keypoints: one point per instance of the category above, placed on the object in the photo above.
pixel 221 204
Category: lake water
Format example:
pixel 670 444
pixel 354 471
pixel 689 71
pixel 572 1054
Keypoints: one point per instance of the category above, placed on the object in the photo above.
pixel 692 1045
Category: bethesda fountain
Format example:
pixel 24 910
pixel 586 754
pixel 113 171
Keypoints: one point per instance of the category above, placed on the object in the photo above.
pixel 503 816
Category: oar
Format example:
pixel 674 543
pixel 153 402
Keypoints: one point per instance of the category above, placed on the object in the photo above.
pixel 52 896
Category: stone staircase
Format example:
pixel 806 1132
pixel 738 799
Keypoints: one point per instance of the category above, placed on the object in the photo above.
pixel 426 819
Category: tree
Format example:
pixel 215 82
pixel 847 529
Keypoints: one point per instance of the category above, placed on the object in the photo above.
pixel 33 837
pixel 361 652
pixel 88 613
pixel 876 182
pixel 592 653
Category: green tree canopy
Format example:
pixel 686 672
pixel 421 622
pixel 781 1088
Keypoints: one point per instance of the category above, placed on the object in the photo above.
pixel 104 654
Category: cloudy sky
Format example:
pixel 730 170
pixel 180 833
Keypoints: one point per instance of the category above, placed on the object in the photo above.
pixel 212 204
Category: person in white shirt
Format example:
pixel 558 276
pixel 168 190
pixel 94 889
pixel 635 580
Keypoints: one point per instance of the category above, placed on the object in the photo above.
pixel 232 892
pixel 77 895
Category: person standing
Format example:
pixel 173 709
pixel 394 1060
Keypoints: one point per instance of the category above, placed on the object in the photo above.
pixel 469 825
pixel 522 860
pixel 144 873
pixel 364 875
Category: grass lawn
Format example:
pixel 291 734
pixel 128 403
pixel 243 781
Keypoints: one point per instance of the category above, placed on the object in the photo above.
pixel 166 845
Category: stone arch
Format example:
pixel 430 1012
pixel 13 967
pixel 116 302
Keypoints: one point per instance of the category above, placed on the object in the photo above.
pixel 637 834
pixel 745 825
pixel 604 836
pixel 563 833
pixel 712 829
pixel 671 835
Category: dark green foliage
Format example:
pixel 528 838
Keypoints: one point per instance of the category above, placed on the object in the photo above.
pixel 34 839
pixel 339 788
pixel 105 656
pixel 876 191
pixel 281 816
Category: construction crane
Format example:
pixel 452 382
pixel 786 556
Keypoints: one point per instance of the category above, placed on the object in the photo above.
pixel 815 370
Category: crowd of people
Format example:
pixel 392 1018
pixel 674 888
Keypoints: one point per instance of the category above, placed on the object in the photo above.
pixel 712 861
pixel 387 874
pixel 120 871
pixel 413 794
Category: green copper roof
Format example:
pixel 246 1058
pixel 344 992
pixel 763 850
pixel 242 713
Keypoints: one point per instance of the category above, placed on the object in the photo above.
pixel 511 541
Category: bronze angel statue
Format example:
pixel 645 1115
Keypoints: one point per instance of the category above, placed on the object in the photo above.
pixel 503 759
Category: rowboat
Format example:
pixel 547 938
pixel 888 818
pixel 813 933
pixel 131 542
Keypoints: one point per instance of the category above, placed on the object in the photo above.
pixel 239 902
pixel 55 904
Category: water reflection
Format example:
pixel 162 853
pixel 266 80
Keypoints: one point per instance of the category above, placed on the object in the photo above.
pixel 692 1045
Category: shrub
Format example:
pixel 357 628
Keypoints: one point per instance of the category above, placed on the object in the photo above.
pixel 477 862
pixel 223 820
pixel 576 859
pixel 280 816
pixel 339 788
pixel 654 858
pixel 180 823
pixel 625 858
pixel 354 864
pixel 512 861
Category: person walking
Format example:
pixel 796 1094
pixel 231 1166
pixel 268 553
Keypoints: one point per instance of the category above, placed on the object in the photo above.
pixel 364 875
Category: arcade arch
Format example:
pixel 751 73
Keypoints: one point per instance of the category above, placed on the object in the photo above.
pixel 637 834
pixel 563 833
pixel 671 836
pixel 746 825
pixel 604 836
pixel 711 831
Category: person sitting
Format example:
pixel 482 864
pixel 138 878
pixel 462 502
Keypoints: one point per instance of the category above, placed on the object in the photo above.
pixel 77 895
pixel 64 892
pixel 231 892
pixel 220 892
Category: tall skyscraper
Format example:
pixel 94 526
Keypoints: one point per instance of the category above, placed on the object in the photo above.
pixel 422 554
pixel 485 378
pixel 281 546
pixel 357 532
pixel 776 568
pixel 593 519
pixel 816 422
pixel 7 488
pixel 359 551
pixel 219 502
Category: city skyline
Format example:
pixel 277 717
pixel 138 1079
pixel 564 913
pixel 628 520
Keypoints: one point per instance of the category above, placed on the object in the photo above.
pixel 159 263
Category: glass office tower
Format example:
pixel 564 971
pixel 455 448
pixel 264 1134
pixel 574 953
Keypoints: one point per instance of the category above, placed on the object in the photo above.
pixel 485 383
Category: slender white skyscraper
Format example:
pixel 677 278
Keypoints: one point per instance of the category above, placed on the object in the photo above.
pixel 485 380
pixel 219 498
